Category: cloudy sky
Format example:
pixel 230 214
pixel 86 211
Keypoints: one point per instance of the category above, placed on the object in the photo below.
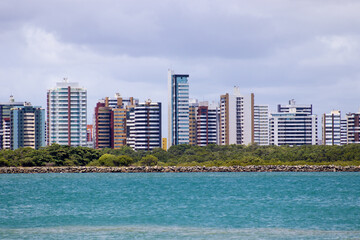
pixel 308 50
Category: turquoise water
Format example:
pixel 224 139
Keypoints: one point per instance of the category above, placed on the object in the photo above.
pixel 180 206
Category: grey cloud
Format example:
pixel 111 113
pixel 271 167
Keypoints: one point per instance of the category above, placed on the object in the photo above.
pixel 230 29
pixel 278 49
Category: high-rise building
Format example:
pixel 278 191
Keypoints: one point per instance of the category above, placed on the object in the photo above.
pixel 27 127
pixel 236 118
pixel 178 108
pixel 261 125
pixel 343 131
pixel 293 125
pixel 6 136
pixel 331 128
pixel 119 129
pixel 110 121
pixel 353 127
pixel 207 124
pixel 5 121
pixel 145 126
pixel 102 126
pixel 66 115
pixel 193 105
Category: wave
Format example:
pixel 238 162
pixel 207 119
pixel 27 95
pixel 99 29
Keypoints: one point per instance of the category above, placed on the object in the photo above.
pixel 170 232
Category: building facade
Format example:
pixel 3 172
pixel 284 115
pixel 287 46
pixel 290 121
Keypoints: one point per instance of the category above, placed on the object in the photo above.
pixel 145 126
pixel 5 121
pixel 331 128
pixel 27 127
pixel 102 130
pixel 6 133
pixel 178 108
pixel 261 125
pixel 353 128
pixel 293 125
pixel 193 106
pixel 207 124
pixel 343 132
pixel 67 114
pixel 236 118
pixel 110 121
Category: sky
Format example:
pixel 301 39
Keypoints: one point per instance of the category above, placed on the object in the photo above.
pixel 307 50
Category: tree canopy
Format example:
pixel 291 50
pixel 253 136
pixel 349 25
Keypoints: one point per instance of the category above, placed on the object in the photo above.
pixel 183 155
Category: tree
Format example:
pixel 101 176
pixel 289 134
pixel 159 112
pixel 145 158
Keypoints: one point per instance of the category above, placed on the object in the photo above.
pixel 178 150
pixel 161 154
pixel 149 160
pixel 123 160
pixel 41 157
pixel 27 162
pixel 4 162
pixel 107 160
pixel 59 153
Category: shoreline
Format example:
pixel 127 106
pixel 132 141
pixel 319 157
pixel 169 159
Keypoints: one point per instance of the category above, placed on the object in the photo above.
pixel 176 169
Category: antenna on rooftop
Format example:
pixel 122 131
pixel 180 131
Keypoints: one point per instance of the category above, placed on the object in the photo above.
pixel 12 98
pixel 65 79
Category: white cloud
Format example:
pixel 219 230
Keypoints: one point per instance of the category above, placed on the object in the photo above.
pixel 340 43
pixel 43 46
pixel 334 51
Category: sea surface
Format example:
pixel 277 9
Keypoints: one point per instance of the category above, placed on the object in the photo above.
pixel 180 206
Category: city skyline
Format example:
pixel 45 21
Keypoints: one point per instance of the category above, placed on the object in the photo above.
pixel 274 109
pixel 235 120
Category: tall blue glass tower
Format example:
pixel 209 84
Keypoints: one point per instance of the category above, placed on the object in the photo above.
pixel 178 108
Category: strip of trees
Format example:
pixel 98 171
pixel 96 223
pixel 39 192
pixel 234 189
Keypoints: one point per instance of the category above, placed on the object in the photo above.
pixel 183 155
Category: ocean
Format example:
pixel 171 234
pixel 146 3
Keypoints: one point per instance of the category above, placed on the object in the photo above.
pixel 180 206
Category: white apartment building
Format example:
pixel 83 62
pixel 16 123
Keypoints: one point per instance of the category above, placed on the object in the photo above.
pixel 66 114
pixel 6 137
pixel 331 128
pixel 261 125
pixel 236 118
pixel 144 126
pixel 293 125
pixel 343 131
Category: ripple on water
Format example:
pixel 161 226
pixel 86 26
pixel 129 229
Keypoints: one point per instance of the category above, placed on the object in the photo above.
pixel 180 206
pixel 168 232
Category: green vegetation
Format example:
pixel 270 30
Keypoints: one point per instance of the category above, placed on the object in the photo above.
pixel 183 155
pixel 149 160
